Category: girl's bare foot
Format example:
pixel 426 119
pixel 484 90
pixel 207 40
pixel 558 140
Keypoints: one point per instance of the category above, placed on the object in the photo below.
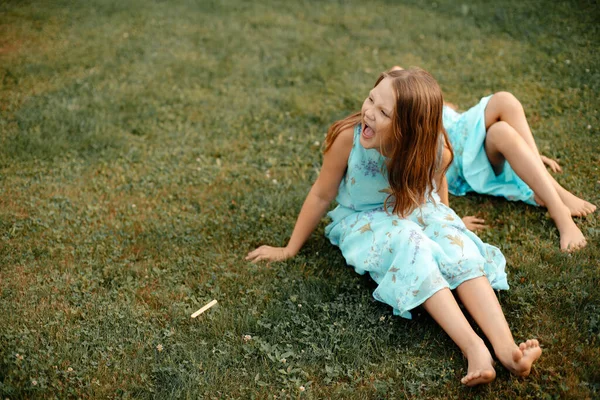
pixel 571 237
pixel 577 206
pixel 518 360
pixel 481 366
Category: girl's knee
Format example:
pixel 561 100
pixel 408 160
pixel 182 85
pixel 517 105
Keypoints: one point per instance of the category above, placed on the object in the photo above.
pixel 501 133
pixel 410 236
pixel 411 232
pixel 508 101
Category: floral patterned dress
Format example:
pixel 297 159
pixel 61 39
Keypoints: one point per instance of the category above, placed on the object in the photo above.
pixel 471 170
pixel 410 258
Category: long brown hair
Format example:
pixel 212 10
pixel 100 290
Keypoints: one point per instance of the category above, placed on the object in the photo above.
pixel 412 149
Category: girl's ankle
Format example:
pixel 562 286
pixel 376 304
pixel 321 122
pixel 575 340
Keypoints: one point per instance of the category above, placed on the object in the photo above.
pixel 475 347
pixel 505 351
pixel 561 215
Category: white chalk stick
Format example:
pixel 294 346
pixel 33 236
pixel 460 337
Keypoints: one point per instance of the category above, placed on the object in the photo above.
pixel 206 307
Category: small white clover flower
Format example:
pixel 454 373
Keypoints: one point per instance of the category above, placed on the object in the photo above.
pixel 34 382
pixel 382 318
pixel 247 338
pixel 302 388
pixel 159 347
pixel 299 305
pixel 70 369
pixel 283 360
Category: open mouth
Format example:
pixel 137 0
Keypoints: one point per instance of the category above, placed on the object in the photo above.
pixel 368 132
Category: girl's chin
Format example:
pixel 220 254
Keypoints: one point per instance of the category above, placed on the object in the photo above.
pixel 365 142
pixel 368 143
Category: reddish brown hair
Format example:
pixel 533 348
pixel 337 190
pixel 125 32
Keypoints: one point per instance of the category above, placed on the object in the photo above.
pixel 413 155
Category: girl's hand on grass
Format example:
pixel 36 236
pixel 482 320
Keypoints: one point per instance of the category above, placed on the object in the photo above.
pixel 474 224
pixel 552 164
pixel 268 253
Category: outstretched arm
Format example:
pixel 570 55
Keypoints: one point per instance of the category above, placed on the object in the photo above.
pixel 320 196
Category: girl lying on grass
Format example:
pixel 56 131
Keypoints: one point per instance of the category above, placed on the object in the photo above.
pixel 385 165
pixel 495 154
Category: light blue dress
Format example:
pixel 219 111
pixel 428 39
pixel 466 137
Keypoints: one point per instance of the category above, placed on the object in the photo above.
pixel 471 170
pixel 410 258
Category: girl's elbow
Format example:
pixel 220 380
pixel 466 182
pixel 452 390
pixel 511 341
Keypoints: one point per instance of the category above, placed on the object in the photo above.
pixel 323 195
pixel 327 198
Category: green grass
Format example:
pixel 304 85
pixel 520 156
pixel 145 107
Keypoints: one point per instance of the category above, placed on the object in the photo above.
pixel 145 147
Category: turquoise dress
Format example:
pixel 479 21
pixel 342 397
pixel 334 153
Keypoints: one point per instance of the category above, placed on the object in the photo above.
pixel 471 170
pixel 410 258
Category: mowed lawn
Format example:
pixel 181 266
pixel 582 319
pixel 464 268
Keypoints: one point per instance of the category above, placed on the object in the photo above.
pixel 147 146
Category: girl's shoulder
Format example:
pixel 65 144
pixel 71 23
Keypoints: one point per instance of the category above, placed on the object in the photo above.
pixel 345 140
pixel 351 132
pixel 338 154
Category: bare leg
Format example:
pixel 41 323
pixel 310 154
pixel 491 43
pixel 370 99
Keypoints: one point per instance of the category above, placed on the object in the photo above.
pixel 443 308
pixel 502 143
pixel 503 106
pixel 479 298
pixel 578 206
